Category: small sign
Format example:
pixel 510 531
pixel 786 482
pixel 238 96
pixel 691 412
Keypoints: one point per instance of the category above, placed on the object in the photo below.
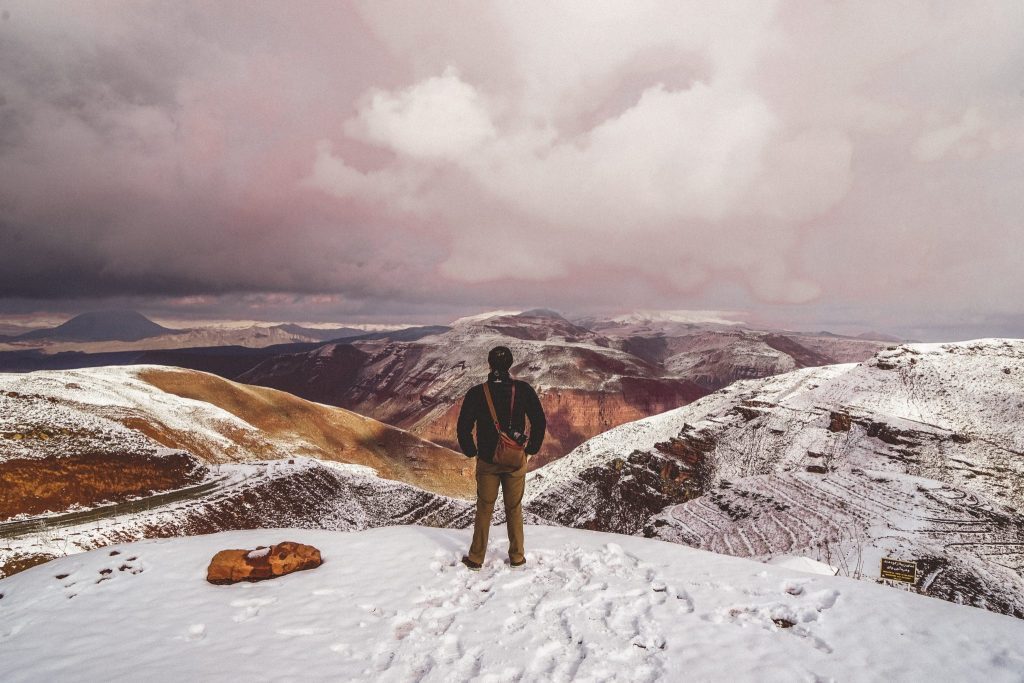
pixel 898 570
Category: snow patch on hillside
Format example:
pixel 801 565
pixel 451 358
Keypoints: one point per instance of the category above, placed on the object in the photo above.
pixel 91 404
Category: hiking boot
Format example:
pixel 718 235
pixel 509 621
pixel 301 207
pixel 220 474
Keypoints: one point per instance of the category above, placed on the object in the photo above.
pixel 517 565
pixel 473 566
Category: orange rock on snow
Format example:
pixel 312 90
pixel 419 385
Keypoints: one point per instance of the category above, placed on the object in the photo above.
pixel 232 566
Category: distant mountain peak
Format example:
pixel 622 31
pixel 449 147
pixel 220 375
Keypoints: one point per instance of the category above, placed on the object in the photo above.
pixel 112 325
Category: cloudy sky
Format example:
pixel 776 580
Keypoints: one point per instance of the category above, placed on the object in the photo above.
pixel 842 165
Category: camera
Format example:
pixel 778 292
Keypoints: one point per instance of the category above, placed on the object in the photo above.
pixel 519 438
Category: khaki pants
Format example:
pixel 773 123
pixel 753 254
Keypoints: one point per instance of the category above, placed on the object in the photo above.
pixel 488 477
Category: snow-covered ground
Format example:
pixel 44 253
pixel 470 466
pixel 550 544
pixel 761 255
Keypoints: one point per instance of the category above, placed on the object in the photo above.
pixel 394 604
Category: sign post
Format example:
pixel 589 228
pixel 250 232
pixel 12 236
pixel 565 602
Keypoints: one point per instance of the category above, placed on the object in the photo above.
pixel 899 570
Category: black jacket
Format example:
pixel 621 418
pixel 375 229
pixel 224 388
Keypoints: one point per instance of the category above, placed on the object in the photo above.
pixel 474 412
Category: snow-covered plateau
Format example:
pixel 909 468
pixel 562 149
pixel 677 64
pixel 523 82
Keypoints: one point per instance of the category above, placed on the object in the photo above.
pixel 394 604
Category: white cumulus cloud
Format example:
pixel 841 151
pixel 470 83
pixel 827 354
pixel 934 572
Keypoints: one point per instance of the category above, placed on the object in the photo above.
pixel 440 117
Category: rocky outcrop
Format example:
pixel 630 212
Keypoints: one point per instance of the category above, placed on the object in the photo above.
pixel 232 566
pixel 839 422
pixel 620 494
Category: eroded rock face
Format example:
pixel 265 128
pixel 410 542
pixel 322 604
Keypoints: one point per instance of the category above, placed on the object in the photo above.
pixel 839 422
pixel 622 493
pixel 232 566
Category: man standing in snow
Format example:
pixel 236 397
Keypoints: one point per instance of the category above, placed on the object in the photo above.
pixel 508 402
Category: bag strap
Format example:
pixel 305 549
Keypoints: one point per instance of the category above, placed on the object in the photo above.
pixel 494 414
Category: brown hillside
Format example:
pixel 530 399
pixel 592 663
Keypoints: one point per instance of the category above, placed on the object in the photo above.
pixel 315 430
pixel 37 485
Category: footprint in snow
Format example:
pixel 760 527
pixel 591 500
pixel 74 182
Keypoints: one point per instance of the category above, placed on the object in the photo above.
pixel 195 632
pixel 774 617
pixel 252 607
pixel 824 599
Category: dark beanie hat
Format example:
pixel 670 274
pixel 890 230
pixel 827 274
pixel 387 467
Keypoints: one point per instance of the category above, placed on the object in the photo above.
pixel 500 358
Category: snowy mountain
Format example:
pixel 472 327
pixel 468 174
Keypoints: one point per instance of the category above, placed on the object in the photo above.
pixel 588 381
pixel 586 386
pixel 915 453
pixel 714 355
pixel 149 411
pixel 394 604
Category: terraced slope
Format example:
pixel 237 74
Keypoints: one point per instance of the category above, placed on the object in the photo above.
pixel 968 550
pixel 916 453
